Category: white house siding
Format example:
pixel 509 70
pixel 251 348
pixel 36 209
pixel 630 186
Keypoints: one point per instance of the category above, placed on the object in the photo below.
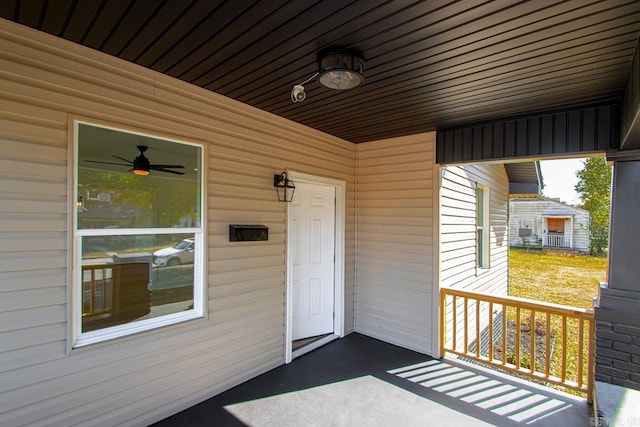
pixel 458 219
pixel 395 241
pixel 531 213
pixel 45 81
pixel 458 234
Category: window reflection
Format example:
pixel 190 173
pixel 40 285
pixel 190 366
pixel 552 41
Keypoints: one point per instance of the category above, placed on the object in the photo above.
pixel 133 277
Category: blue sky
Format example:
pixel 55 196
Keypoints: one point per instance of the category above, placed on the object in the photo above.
pixel 560 179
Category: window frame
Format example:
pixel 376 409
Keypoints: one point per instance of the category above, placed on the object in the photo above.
pixel 483 254
pixel 82 339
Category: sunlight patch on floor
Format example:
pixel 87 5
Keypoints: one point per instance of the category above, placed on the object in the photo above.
pixel 362 401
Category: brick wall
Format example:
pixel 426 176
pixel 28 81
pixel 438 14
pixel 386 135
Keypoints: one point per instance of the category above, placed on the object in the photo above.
pixel 618 354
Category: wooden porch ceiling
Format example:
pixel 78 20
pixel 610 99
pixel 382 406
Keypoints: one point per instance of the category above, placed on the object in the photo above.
pixel 428 64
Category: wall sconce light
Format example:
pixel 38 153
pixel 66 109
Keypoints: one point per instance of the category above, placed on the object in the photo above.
pixel 284 187
pixel 80 204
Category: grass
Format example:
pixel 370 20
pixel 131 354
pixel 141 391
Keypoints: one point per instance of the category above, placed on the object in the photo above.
pixel 559 279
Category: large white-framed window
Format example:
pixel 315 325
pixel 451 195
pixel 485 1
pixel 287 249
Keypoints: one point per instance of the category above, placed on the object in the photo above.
pixel 482 227
pixel 138 232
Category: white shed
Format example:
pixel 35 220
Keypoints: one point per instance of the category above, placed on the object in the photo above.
pixel 549 223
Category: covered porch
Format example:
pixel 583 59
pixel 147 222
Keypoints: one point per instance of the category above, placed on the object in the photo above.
pixel 358 380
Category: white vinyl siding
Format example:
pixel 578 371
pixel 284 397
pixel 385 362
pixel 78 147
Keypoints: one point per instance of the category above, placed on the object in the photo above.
pixel 458 228
pixel 46 83
pixel 395 245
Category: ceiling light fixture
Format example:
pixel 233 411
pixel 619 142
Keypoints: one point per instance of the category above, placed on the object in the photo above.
pixel 141 165
pixel 338 68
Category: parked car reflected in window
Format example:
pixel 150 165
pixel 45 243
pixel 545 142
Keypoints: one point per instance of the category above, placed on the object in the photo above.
pixel 181 253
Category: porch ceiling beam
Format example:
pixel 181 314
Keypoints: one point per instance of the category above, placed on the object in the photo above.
pixel 590 129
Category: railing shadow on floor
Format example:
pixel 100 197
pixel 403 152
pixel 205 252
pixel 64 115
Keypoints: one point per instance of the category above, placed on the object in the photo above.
pixel 513 401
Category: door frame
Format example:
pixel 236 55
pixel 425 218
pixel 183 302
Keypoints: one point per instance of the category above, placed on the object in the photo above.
pixel 338 266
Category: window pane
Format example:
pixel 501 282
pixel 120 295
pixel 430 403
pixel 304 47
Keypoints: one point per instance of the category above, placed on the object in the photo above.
pixel 110 195
pixel 480 206
pixel 134 277
pixel 480 256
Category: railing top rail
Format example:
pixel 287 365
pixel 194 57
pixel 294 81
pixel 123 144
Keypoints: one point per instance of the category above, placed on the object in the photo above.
pixel 580 313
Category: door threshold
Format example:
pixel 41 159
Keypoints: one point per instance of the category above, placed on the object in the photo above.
pixel 313 345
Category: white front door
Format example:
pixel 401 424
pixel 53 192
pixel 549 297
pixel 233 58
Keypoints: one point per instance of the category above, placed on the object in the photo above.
pixel 312 234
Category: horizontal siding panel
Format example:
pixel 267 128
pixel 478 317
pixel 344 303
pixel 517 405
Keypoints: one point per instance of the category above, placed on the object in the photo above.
pixel 37 279
pixel 30 356
pixel 395 241
pixel 32 185
pixel 201 338
pixel 29 299
pixel 48 80
pixel 25 337
pixel 25 204
pixel 29 261
pixel 32 223
pixel 40 316
pixel 402 203
pixel 386 216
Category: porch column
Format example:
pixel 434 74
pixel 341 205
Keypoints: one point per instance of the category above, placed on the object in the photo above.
pixel 618 309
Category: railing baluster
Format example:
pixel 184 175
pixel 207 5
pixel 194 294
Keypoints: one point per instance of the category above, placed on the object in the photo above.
pixel 563 372
pixel 465 325
pixel 504 334
pixel 580 351
pixel 490 331
pixel 93 291
pixel 547 353
pixel 478 340
pixel 532 341
pixel 455 323
pixel 517 337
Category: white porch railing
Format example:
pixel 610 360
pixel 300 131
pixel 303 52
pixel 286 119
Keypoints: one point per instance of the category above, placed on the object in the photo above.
pixel 556 241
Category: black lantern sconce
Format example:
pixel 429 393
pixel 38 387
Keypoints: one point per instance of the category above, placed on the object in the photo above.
pixel 284 186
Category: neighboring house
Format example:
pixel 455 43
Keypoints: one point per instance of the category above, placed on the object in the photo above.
pixel 548 223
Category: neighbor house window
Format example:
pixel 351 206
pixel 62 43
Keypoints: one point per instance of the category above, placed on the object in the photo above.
pixel 138 233
pixel 482 227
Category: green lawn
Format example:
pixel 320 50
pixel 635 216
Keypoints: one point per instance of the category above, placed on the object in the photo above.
pixel 559 279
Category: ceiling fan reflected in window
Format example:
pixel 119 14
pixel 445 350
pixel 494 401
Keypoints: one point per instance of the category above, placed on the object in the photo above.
pixel 141 164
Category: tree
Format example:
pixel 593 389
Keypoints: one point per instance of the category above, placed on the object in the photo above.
pixel 594 188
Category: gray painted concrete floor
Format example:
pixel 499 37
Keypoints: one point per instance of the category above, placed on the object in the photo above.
pixel 360 381
pixel 369 401
pixel 617 406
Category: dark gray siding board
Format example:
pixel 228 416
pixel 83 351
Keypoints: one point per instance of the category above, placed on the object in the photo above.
pixel 631 105
pixel 590 129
